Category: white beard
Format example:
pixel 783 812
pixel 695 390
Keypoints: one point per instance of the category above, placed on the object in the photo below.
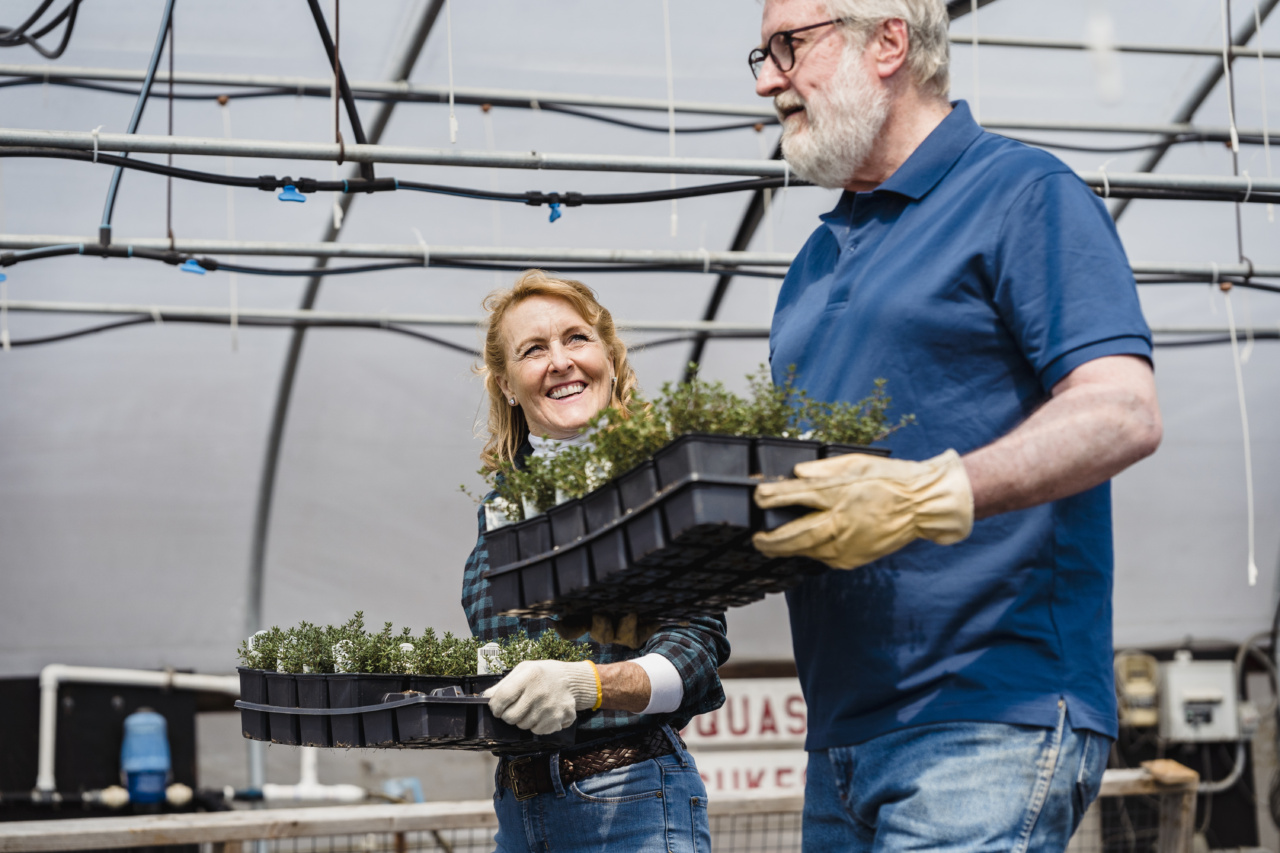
pixel 841 122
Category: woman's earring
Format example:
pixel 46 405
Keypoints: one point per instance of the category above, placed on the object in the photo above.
pixel 511 400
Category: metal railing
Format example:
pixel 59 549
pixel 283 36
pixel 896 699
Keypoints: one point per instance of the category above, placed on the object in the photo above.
pixel 737 824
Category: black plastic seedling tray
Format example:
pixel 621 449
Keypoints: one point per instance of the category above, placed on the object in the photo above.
pixel 447 718
pixel 670 538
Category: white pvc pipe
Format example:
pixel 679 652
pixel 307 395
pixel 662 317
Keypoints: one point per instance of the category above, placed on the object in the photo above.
pixel 56 673
pixel 366 153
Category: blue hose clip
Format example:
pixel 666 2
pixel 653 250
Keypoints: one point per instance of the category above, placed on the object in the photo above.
pixel 191 265
pixel 555 211
pixel 290 193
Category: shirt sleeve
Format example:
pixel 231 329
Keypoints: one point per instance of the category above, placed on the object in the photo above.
pixel 666 690
pixel 696 649
pixel 1062 283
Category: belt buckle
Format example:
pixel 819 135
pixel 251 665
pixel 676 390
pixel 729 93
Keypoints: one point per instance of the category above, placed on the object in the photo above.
pixel 512 767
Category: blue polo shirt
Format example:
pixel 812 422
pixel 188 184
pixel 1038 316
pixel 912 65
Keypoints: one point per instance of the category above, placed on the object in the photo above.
pixel 976 277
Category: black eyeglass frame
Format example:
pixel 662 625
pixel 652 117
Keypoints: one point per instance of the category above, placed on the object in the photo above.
pixel 757 56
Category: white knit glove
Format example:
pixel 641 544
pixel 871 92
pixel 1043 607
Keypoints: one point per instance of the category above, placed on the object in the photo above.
pixel 545 696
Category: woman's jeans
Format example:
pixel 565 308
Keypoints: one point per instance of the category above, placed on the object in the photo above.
pixel 954 787
pixel 655 806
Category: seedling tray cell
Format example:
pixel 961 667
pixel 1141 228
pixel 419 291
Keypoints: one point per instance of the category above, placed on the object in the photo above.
pixel 568 523
pixel 534 536
pixel 344 693
pixel 703 455
pixel 707 515
pixel 646 538
pixel 602 507
pixel 282 691
pixel 502 546
pixel 573 573
pixel 253 688
pixel 538 582
pixel 609 554
pixel 379 726
pixel 829 450
pixel 313 692
pixel 505 590
pixel 638 486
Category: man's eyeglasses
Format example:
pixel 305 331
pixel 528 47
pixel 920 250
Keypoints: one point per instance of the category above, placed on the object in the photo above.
pixel 781 48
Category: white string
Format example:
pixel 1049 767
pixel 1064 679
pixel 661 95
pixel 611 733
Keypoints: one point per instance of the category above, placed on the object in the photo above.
pixel 4 314
pixel 94 132
pixel 671 106
pixel 1262 85
pixel 706 259
pixel 448 25
pixel 155 315
pixel 1226 71
pixel 1247 352
pixel 495 206
pixel 1248 187
pixel 1106 184
pixel 1252 568
pixel 426 250
pixel 232 281
pixel 977 107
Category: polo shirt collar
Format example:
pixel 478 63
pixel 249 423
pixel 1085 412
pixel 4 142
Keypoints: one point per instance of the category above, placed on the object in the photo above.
pixel 936 155
pixel 927 164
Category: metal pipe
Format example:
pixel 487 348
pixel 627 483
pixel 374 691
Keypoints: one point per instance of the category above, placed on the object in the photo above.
pixel 263 148
pixel 1064 44
pixel 521 97
pixel 55 673
pixel 413 251
pixel 206 146
pixel 178 312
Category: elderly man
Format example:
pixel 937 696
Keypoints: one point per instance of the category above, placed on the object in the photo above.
pixel 959 678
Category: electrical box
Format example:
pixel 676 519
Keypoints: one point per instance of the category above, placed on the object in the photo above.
pixel 1198 700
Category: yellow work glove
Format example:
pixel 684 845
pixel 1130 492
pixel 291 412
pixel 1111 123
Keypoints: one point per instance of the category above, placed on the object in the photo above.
pixel 869 506
pixel 626 630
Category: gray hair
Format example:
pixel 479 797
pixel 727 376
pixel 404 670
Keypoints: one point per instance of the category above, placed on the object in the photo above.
pixel 929 50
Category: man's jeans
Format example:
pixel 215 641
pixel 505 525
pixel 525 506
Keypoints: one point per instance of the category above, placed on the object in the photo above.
pixel 655 806
pixel 954 787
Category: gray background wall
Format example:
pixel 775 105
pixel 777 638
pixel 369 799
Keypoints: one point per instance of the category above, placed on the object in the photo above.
pixel 129 460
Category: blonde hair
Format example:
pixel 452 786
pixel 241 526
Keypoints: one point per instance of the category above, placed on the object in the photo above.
pixel 507 426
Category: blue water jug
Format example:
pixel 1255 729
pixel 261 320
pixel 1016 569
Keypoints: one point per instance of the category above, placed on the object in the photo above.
pixel 144 756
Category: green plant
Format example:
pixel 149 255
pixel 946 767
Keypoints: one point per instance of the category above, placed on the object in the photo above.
pixel 262 650
pixel 619 443
pixel 548 646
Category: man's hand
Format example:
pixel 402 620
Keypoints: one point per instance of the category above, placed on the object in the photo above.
pixel 869 506
pixel 545 696
pixel 627 630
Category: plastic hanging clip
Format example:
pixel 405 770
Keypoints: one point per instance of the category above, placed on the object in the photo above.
pixel 191 265
pixel 290 193
pixel 555 211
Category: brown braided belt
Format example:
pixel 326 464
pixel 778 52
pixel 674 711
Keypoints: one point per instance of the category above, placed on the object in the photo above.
pixel 530 775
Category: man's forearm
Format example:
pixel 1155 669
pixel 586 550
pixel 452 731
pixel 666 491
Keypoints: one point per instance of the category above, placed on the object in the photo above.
pixel 1102 418
pixel 625 686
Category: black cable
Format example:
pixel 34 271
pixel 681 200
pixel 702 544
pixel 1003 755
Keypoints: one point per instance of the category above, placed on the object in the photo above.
pixel 1180 139
pixel 104 230
pixel 143 319
pixel 534 198
pixel 357 129
pixel 758 124
pixel 17 35
pixel 10 33
pixel 416 97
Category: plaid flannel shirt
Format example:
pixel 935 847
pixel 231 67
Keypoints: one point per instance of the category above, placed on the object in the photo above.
pixel 696 650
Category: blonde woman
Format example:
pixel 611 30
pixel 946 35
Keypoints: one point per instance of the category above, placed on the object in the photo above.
pixel 552 361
